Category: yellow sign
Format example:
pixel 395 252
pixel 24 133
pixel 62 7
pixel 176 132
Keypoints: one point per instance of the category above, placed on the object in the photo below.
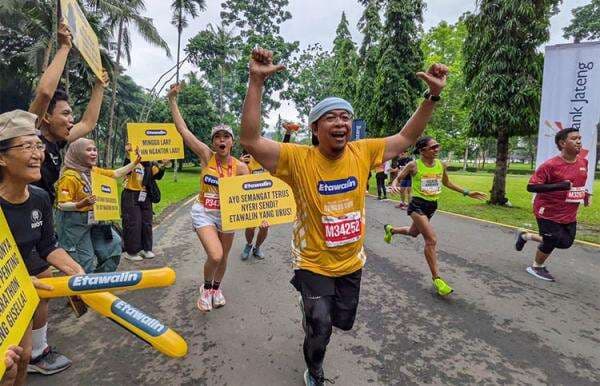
pixel 84 37
pixel 18 298
pixel 247 201
pixel 156 141
pixel 107 201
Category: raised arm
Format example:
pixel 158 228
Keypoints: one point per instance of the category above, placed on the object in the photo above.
pixel 125 170
pixel 90 117
pixel 50 78
pixel 435 78
pixel 198 147
pixel 264 150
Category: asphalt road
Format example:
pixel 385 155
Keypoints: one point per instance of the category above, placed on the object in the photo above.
pixel 501 326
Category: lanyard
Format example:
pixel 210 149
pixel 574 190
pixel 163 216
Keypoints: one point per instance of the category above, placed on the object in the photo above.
pixel 229 167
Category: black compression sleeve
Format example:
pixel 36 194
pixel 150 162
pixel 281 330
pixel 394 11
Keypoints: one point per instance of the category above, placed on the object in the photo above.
pixel 543 188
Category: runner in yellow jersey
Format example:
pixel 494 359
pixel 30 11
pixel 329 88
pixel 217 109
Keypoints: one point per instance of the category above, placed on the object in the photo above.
pixel 428 176
pixel 329 181
pixel 206 212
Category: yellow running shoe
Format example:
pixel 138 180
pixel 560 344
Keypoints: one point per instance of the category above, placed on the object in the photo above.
pixel 443 289
pixel 387 228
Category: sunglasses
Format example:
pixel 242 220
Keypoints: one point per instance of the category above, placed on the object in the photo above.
pixel 432 147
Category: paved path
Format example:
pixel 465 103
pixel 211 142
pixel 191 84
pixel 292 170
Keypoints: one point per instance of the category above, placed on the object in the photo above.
pixel 501 326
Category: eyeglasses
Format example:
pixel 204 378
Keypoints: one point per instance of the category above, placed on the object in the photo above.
pixel 28 147
pixel 432 147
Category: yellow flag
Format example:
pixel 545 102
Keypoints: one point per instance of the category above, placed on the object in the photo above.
pixel 107 201
pixel 18 298
pixel 247 201
pixel 156 141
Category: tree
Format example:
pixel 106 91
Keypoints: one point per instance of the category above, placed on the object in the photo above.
pixel 215 51
pixel 444 44
pixel 121 15
pixel 503 71
pixel 585 23
pixel 344 62
pixel 370 26
pixel 181 9
pixel 397 88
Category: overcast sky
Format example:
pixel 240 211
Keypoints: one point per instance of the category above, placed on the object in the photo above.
pixel 313 21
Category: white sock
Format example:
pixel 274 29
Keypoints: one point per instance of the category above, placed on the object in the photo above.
pixel 39 340
pixel 526 236
pixel 535 264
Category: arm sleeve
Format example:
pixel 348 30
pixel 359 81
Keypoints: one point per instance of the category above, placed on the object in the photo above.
pixel 543 188
pixel 47 243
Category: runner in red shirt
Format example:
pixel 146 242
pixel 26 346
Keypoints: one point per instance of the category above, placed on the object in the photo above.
pixel 559 184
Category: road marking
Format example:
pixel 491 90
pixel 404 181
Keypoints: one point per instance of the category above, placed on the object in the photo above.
pixel 588 243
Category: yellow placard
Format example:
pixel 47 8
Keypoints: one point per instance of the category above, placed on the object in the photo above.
pixel 247 201
pixel 18 298
pixel 84 37
pixel 156 141
pixel 107 201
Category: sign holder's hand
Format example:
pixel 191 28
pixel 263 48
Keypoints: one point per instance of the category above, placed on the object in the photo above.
pixel 174 90
pixel 64 37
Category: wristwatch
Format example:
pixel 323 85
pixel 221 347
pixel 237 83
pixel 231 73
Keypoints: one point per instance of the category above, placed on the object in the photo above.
pixel 433 98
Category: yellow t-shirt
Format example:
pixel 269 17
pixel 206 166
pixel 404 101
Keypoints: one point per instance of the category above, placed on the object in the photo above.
pixel 329 229
pixel 209 181
pixel 255 167
pixel 133 181
pixel 71 187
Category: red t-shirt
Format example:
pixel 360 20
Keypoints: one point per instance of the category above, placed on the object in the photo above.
pixel 560 207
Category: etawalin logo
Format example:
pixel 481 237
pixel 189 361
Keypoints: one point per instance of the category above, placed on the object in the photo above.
pixel 137 318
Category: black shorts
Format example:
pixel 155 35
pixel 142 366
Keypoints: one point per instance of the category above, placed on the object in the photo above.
pixel 345 289
pixel 35 264
pixel 555 235
pixel 421 206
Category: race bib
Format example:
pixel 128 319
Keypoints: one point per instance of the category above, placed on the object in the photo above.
pixel 210 201
pixel 342 230
pixel 431 185
pixel 576 195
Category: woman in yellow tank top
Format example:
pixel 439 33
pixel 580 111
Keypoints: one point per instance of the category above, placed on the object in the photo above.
pixel 428 175
pixel 206 214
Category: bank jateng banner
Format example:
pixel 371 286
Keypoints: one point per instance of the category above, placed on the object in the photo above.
pixel 571 98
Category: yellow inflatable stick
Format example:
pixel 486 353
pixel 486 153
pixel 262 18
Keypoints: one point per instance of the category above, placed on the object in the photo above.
pixel 159 336
pixel 102 282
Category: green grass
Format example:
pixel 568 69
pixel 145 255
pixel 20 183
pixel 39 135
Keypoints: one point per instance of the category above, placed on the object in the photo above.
pixel 519 215
pixel 188 183
pixel 490 166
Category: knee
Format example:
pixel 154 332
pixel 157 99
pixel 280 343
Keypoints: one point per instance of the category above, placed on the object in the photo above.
pixel 320 324
pixel 216 259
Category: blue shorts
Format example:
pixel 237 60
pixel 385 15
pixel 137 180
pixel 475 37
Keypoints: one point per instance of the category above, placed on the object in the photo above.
pixel 406 183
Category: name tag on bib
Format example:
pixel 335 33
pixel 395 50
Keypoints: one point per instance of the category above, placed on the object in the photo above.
pixel 576 195
pixel 210 201
pixel 142 196
pixel 342 230
pixel 431 185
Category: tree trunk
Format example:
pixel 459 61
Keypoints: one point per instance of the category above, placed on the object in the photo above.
pixel 176 163
pixel 498 196
pixel 107 149
pixel 221 94
pixel 466 159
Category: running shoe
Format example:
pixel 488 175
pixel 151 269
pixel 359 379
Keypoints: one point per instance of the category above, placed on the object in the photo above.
pixel 50 362
pixel 387 228
pixel 135 257
pixel 218 300
pixel 246 252
pixel 309 380
pixel 520 241
pixel 147 254
pixel 443 289
pixel 258 255
pixel 205 303
pixel 540 273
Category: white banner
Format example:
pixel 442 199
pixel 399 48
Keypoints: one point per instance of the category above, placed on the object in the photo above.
pixel 571 98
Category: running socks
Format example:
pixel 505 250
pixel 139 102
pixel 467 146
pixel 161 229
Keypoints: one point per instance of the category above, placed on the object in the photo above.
pixel 208 284
pixel 215 285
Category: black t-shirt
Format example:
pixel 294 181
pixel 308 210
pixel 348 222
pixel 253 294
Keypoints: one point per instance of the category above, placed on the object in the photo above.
pixel 403 161
pixel 31 224
pixel 51 166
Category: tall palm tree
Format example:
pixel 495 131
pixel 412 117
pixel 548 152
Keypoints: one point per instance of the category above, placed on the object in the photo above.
pixel 181 10
pixel 121 16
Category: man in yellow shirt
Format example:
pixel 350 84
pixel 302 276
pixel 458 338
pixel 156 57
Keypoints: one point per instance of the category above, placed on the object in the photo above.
pixel 329 180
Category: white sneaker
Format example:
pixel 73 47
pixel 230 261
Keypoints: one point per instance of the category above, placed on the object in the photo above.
pixel 147 254
pixel 204 303
pixel 218 300
pixel 135 257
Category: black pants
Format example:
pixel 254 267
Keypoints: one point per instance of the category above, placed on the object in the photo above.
pixel 137 222
pixel 328 302
pixel 381 192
